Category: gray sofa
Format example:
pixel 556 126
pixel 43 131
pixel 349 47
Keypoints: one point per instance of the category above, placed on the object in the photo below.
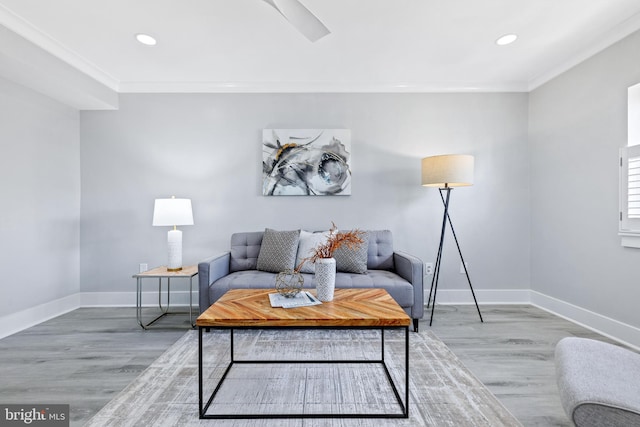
pixel 399 273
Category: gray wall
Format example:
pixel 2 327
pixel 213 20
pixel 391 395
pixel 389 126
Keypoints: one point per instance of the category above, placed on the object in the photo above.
pixel 40 187
pixel 207 147
pixel 578 121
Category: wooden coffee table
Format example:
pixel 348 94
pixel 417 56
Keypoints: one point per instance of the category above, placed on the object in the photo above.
pixel 350 309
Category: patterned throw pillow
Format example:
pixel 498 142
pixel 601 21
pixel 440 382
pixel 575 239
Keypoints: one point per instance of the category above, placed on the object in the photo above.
pixel 278 250
pixel 308 242
pixel 353 261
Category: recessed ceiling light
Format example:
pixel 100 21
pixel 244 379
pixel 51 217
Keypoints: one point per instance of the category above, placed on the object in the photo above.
pixel 146 39
pixel 506 39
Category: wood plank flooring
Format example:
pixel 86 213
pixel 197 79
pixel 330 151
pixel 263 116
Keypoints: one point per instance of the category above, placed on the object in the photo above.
pixel 84 358
pixel 512 353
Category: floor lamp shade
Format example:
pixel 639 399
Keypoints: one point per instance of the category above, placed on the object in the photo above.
pixel 173 212
pixel 450 170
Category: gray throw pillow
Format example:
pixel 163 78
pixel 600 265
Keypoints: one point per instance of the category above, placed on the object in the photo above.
pixel 278 250
pixel 353 260
pixel 308 242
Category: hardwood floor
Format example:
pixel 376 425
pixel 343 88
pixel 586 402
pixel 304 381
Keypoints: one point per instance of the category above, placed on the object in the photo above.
pixel 512 354
pixel 84 358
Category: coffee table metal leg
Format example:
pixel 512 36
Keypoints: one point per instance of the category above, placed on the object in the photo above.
pixel 404 406
pixel 200 411
pixel 205 408
pixel 406 372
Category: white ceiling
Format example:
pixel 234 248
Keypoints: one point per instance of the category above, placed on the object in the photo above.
pixel 374 45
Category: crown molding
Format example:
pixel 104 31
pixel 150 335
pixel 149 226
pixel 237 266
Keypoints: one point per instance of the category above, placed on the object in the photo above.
pixel 619 32
pixel 47 43
pixel 318 87
pixel 23 28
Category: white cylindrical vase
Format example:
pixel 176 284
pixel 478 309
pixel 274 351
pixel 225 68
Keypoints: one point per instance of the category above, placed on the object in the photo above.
pixel 174 241
pixel 325 278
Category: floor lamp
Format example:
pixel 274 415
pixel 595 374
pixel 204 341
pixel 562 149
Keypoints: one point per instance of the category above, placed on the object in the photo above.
pixel 447 172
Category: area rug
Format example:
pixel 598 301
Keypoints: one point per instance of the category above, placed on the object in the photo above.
pixel 443 392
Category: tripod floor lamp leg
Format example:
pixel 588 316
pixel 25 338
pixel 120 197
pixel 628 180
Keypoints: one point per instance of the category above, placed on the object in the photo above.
pixel 436 273
pixel 435 277
pixel 464 264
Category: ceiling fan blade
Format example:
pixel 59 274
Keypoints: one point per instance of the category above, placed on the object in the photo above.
pixel 301 18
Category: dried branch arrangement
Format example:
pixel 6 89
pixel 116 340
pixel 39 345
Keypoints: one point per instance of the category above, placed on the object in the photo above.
pixel 337 239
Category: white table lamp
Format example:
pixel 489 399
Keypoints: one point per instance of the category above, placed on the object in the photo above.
pixel 173 212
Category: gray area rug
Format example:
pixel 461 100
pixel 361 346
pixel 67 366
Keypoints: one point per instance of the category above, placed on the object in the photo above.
pixel 443 392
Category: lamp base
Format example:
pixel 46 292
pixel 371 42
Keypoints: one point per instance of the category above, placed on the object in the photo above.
pixel 434 281
pixel 174 240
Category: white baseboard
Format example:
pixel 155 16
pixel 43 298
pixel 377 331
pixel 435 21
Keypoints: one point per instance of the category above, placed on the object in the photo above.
pixel 128 299
pixel 614 329
pixel 16 322
pixel 484 296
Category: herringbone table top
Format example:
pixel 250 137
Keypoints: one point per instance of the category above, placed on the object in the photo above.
pixel 349 308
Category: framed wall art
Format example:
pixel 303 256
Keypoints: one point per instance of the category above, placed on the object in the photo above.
pixel 306 162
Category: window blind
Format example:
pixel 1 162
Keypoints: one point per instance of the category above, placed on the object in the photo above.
pixel 633 188
pixel 630 196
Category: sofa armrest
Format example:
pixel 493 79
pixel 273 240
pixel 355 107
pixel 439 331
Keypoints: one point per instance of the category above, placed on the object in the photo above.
pixel 210 270
pixel 410 268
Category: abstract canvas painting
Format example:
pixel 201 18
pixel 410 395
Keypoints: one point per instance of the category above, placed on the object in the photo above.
pixel 306 162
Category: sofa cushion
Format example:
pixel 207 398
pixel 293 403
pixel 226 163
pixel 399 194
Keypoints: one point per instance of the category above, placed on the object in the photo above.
pixel 308 242
pixel 380 255
pixel 278 250
pixel 350 260
pixel 247 279
pixel 245 248
pixel 399 289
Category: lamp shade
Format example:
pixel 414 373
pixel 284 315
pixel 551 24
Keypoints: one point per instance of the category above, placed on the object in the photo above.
pixel 450 170
pixel 172 212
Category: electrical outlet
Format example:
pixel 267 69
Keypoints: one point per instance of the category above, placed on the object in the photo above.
pixel 462 271
pixel 428 268
pixel 143 267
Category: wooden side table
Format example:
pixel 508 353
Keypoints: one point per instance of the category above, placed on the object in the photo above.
pixel 161 273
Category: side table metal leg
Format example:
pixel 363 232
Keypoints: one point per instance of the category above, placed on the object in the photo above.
pixel 162 310
pixel 168 293
pixel 191 302
pixel 139 302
